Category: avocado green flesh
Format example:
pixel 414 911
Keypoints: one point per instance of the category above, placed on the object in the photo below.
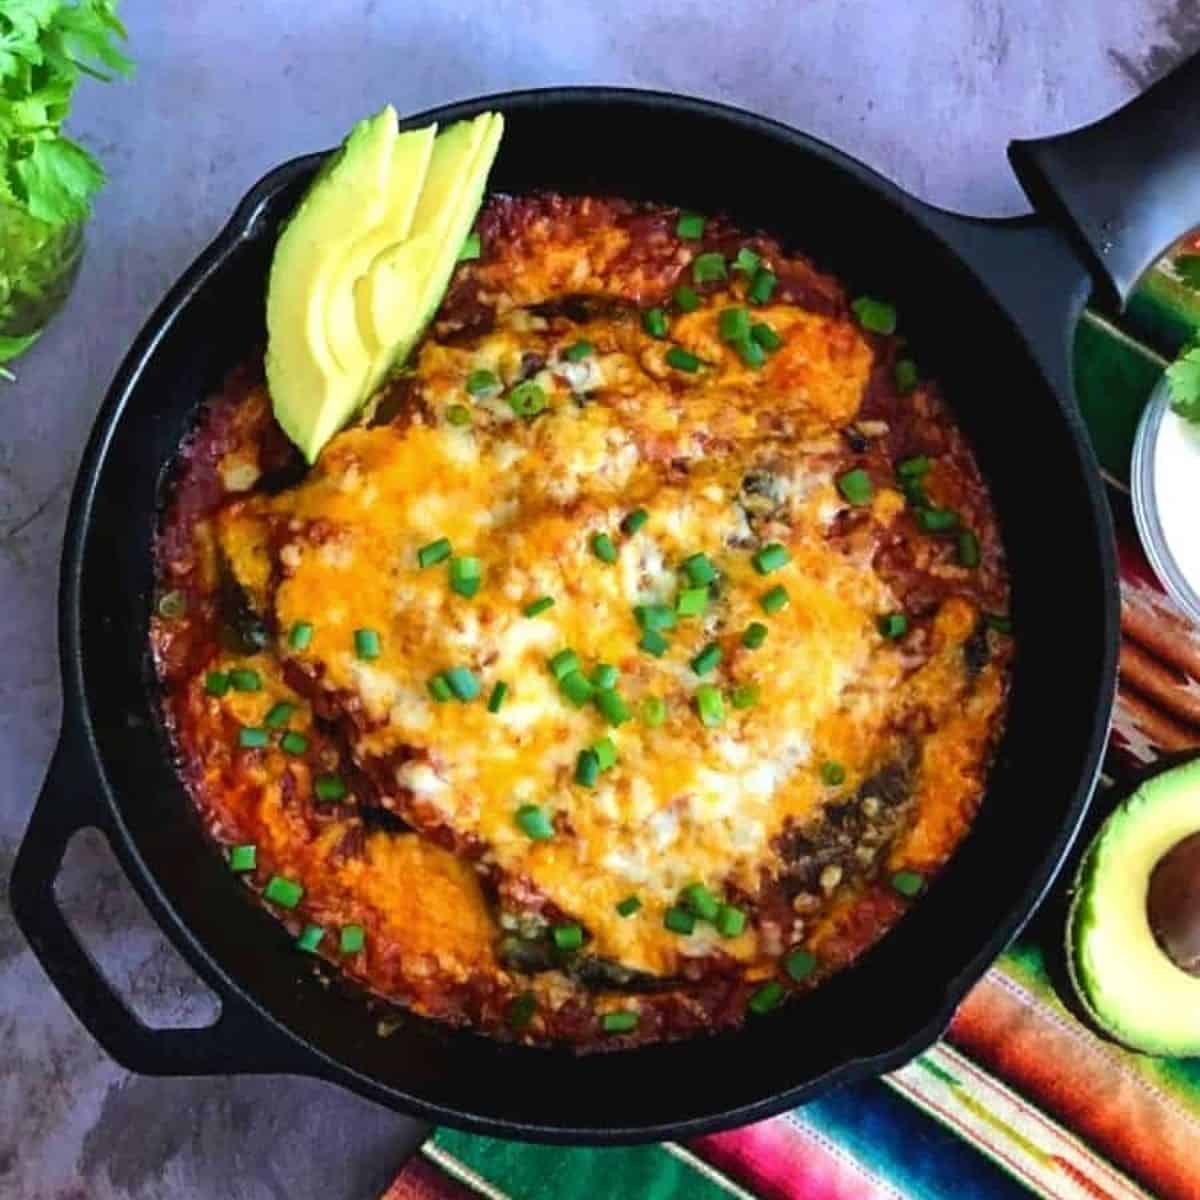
pixel 1123 977
pixel 406 180
pixel 400 295
pixel 387 205
pixel 303 379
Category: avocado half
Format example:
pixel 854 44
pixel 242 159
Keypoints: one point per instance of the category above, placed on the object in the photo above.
pixel 1135 918
pixel 363 262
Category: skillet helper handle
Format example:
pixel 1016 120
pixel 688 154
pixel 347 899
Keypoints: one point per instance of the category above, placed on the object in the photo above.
pixel 1126 187
pixel 238 1042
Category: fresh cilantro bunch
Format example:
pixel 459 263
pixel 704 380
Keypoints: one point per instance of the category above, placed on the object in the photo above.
pixel 45 45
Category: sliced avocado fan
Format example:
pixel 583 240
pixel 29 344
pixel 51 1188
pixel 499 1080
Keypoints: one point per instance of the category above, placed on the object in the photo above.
pixel 362 265
pixel 1135 917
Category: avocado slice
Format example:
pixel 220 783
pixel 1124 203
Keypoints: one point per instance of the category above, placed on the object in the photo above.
pixel 311 395
pixel 399 295
pixel 1130 917
pixel 406 181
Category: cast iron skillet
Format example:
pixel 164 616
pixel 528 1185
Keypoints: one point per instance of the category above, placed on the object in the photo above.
pixel 989 307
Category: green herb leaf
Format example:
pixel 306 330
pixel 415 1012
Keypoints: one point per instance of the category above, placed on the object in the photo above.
pixel 56 180
pixel 1183 382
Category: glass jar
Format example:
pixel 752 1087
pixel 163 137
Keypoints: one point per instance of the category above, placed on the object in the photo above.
pixel 38 266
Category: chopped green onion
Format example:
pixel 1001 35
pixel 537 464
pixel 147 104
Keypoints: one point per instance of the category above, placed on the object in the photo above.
pixel 366 643
pixel 701 901
pixel 654 643
pixel 968 549
pixel 528 398
pixel 914 493
pixel 329 788
pixel 284 892
pixel 710 705
pixel 620 1021
pixel 587 768
pixel 690 226
pixel 691 602
pixel 731 921
pixel 769 996
pixel 913 468
pixel 998 622
pixel 874 315
pixel 746 261
pixel 707 659
pixel 832 773
pixel 253 739
pixel 458 414
pixel 576 687
pixel 893 625
pixel 300 636
pixel 750 352
pixel 243 679
pixel 936 520
pixel 567 937
pixel 606 753
pixel 754 634
pixel 654 711
pixel 472 247
pixel 293 742
pixel 521 1011
pixel 243 858
pixel 745 695
pixel 679 920
pixel 906 375
pixel 654 616
pixel 535 608
pixel 579 351
pixel 762 285
pixel 279 715
pixel 771 558
pixel 605 675
pixel 856 486
pixel 352 940
pixel 534 823
pixel 216 683
pixel 633 521
pixel 310 938
pixel 433 553
pixel 698 569
pixel 462 682
pixel 439 689
pixel 907 883
pixel 766 337
pixel 734 324
pixel 628 906
pixel 482 383
pixel 686 299
pixel 615 710
pixel 799 965
pixel 682 360
pixel 774 599
pixel 496 699
pixel 603 548
pixel 172 605
pixel 465 575
pixel 654 322
pixel 563 663
pixel 709 268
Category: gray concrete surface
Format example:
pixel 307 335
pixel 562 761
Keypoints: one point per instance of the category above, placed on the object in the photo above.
pixel 928 91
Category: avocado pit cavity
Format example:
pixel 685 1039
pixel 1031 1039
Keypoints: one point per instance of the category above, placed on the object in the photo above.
pixel 1173 904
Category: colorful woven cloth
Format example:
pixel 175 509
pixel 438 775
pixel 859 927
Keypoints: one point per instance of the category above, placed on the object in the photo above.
pixel 1020 1096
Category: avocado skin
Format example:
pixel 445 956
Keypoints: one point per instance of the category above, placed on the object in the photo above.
pixel 1124 980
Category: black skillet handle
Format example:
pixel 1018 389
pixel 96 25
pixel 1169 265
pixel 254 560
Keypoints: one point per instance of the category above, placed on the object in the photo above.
pixel 1126 187
pixel 237 1042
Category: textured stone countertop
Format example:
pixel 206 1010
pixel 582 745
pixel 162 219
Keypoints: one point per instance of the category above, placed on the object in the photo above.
pixel 927 91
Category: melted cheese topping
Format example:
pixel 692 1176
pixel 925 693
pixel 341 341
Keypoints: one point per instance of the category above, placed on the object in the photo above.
pixel 685 803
